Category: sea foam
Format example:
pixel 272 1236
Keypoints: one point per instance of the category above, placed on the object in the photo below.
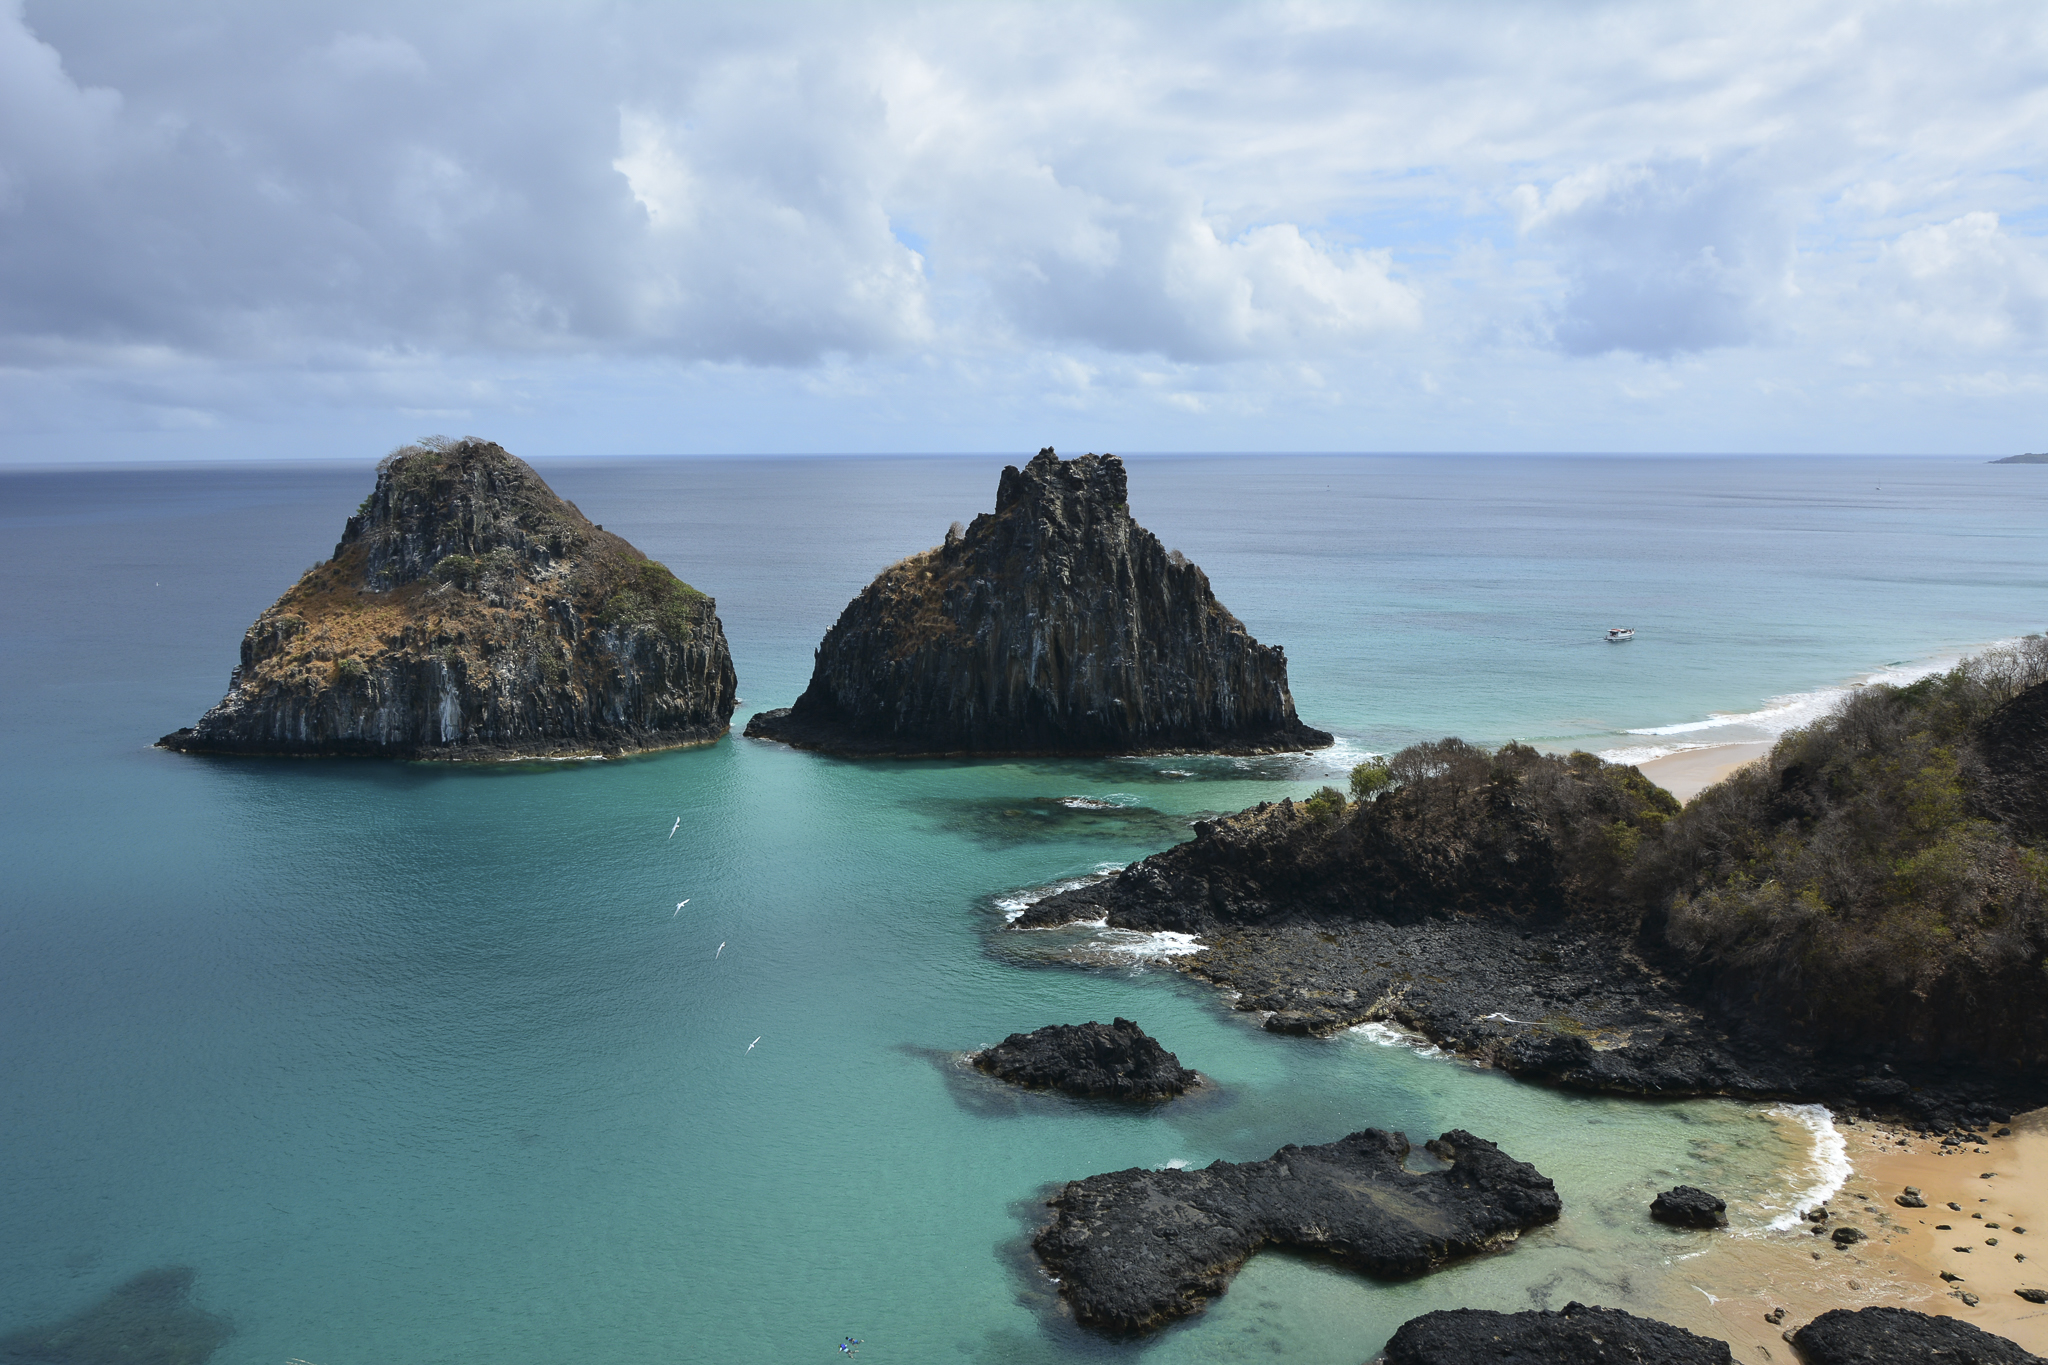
pixel 1827 1166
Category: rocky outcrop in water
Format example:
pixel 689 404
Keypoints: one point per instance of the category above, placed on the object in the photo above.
pixel 1900 1336
pixel 1135 1249
pixel 1113 1061
pixel 148 1320
pixel 1575 1335
pixel 1053 625
pixel 1686 1206
pixel 469 613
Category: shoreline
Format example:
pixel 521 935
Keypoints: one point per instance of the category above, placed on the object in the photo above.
pixel 1725 1289
pixel 1689 772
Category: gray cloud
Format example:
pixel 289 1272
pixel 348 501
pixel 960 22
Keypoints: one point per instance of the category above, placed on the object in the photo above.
pixel 1290 210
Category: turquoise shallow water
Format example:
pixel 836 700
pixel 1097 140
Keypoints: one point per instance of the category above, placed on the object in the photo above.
pixel 419 1064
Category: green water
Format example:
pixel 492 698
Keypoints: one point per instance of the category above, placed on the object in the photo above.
pixel 419 1064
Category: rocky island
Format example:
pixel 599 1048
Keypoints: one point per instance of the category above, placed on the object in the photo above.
pixel 1859 918
pixel 470 613
pixel 1136 1249
pixel 1114 1061
pixel 1053 625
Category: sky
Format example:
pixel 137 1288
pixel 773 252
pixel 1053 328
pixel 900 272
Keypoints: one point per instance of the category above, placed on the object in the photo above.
pixel 248 230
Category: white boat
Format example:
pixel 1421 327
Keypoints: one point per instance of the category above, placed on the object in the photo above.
pixel 1620 633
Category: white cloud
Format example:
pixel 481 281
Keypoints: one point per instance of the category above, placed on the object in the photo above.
pixel 1968 282
pixel 986 208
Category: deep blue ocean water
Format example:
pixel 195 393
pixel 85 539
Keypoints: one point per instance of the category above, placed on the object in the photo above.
pixel 418 1064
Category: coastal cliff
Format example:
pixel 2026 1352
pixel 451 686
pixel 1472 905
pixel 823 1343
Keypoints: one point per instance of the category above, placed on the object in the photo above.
pixel 470 613
pixel 1054 625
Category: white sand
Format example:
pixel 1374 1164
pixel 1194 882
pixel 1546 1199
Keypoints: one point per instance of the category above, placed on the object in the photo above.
pixel 1685 775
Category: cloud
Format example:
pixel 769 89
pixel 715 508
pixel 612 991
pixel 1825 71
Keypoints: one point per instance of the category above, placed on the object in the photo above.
pixel 1428 209
pixel 1968 282
pixel 1661 258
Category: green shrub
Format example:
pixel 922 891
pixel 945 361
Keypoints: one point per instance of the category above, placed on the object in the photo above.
pixel 1370 778
pixel 461 570
pixel 350 671
pixel 1325 805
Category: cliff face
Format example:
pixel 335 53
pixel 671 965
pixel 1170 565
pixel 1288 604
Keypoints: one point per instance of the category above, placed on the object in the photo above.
pixel 1055 624
pixel 468 612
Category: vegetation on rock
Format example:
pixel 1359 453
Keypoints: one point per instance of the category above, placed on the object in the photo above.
pixel 470 612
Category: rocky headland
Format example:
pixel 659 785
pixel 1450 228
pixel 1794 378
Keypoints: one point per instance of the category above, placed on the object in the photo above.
pixel 1053 625
pixel 1109 1061
pixel 1136 1249
pixel 1859 918
pixel 470 613
pixel 1574 1335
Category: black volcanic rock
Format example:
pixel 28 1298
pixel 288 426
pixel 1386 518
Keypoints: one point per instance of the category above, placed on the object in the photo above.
pixel 1575 1335
pixel 1900 1336
pixel 1688 1207
pixel 1136 1249
pixel 1054 625
pixel 147 1320
pixel 1119 1061
pixel 468 612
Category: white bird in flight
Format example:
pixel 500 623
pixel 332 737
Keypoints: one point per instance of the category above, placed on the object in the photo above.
pixel 679 906
pixel 750 1046
pixel 676 826
pixel 721 947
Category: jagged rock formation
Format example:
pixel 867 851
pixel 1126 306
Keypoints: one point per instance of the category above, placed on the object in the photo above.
pixel 1900 1336
pixel 1575 1335
pixel 1688 1206
pixel 1136 1249
pixel 1113 1061
pixel 470 613
pixel 1054 625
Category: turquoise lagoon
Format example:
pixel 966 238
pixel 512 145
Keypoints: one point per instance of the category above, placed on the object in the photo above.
pixel 420 1064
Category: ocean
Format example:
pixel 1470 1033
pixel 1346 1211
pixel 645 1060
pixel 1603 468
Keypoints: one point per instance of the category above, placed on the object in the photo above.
pixel 418 1063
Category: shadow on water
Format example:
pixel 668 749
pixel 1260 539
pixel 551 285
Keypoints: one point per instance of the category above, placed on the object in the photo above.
pixel 1013 820
pixel 146 1321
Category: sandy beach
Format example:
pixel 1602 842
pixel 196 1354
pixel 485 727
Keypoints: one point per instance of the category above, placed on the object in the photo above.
pixel 1727 1288
pixel 1685 775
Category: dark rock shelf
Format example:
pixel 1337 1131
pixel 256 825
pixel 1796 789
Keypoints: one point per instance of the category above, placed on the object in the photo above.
pixel 1575 1335
pixel 1136 1249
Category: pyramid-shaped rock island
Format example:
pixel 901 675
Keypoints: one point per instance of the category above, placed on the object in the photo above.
pixel 469 613
pixel 1054 625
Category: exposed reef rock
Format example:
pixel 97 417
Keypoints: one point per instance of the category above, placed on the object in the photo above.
pixel 1054 625
pixel 1575 1335
pixel 469 613
pixel 1687 1207
pixel 1136 1249
pixel 1116 1061
pixel 149 1320
pixel 1900 1336
pixel 1509 905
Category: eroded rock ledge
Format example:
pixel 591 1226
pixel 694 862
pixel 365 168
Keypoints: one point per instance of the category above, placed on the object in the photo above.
pixel 469 613
pixel 1111 1061
pixel 1053 625
pixel 1136 1249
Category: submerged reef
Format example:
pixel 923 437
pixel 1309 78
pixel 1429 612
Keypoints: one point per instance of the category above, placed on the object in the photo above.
pixel 1053 625
pixel 1136 1249
pixel 469 613
pixel 1111 1061
pixel 148 1320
